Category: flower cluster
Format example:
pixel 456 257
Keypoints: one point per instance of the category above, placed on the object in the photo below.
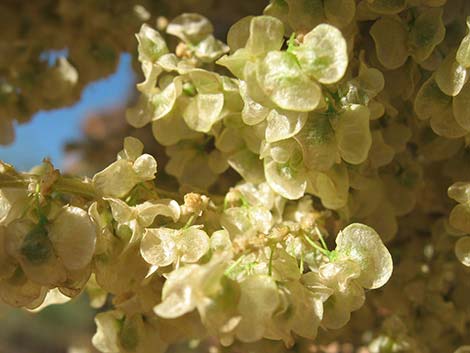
pixel 255 266
pixel 345 121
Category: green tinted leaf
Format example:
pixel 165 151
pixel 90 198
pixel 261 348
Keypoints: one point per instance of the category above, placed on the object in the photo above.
pixel 266 34
pixel 353 134
pixel 390 37
pixel 461 107
pixel 190 27
pixel 463 52
pixel 282 80
pixel 323 54
pixel 151 44
pixel 428 30
pixel 362 244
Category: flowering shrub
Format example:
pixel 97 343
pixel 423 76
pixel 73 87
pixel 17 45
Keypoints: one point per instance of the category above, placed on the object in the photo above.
pixel 345 121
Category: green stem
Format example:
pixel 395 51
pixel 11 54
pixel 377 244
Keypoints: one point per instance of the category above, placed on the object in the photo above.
pixel 316 246
pixel 245 202
pixel 320 236
pixel 75 186
pixel 190 221
pixel 270 269
pixel 291 42
pixel 234 265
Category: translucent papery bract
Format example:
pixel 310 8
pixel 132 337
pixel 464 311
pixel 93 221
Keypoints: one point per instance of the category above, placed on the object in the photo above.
pixel 133 148
pixel 190 27
pixel 203 111
pixel 308 307
pixel 460 107
pixel 164 100
pixel 145 167
pixel 283 124
pixel 342 294
pixel 370 80
pixel 294 297
pixel 339 12
pixel 75 282
pixel 172 129
pixel 151 44
pixel 462 250
pixel 140 114
pixel 463 52
pixel 287 180
pixel 266 34
pixel 280 151
pixel 210 49
pixel 364 201
pixel 258 301
pixel 390 37
pixel 253 112
pixel 238 33
pixel 191 165
pixel 401 196
pixel 120 177
pixel 427 31
pixel 353 133
pixel 451 76
pixel 188 287
pixel 236 62
pixel 459 192
pixel 118 270
pixel 193 244
pixel 12 204
pixel 53 297
pixel 386 7
pixel 397 135
pixel 318 142
pixel 304 15
pixel 460 217
pixel 163 246
pixel 107 333
pixel 228 141
pixel 158 246
pixel 282 80
pixel 380 153
pixel 362 244
pixel 323 54
pixel 220 243
pixel 445 124
pixel 246 222
pixel 331 186
pixel 284 266
pixel 118 332
pixel 248 165
pixel 430 100
pixel 280 10
pixel 18 291
pixel 205 82
pixel 148 210
pixel 73 236
pixel 30 245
